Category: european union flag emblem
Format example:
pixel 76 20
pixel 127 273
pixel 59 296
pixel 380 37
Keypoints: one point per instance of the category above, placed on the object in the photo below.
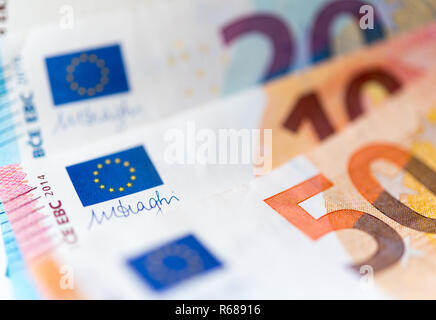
pixel 86 74
pixel 113 176
pixel 173 262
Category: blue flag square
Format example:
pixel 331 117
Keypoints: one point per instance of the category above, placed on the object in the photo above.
pixel 173 263
pixel 113 176
pixel 86 74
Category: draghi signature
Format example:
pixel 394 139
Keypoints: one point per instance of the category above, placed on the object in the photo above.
pixel 154 203
pixel 88 117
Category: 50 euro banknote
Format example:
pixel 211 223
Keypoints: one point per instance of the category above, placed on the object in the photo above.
pixel 118 69
pixel 116 211
pixel 352 218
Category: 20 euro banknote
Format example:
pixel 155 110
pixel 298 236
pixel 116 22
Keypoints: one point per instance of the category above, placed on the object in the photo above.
pixel 115 70
pixel 396 15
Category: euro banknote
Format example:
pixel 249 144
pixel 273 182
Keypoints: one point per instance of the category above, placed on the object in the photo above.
pixel 149 167
pixel 412 54
pixel 390 16
pixel 397 15
pixel 377 177
pixel 289 234
pixel 116 69
pixel 306 108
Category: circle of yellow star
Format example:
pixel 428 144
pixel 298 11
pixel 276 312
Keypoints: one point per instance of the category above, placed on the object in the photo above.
pixel 93 59
pixel 108 161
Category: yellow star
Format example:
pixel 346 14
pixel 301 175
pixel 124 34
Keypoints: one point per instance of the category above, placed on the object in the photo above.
pixel 189 92
pixel 107 161
pixel 204 48
pixel 200 73
pixel 111 189
pixel 178 44
pixel 171 61
pixel 132 170
pixel 133 177
pixel 121 189
pixel 102 186
pixel 185 56
pixel 117 160
pixel 213 89
pixel 96 180
pixel 99 166
pixel 129 184
pixel 95 173
pixel 126 163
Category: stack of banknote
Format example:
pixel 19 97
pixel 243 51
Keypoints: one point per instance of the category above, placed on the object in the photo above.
pixel 218 149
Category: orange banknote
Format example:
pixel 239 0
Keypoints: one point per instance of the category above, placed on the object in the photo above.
pixel 356 213
pixel 306 108
pixel 378 176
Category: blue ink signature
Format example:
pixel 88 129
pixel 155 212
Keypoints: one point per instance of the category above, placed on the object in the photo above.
pixel 87 117
pixel 122 211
